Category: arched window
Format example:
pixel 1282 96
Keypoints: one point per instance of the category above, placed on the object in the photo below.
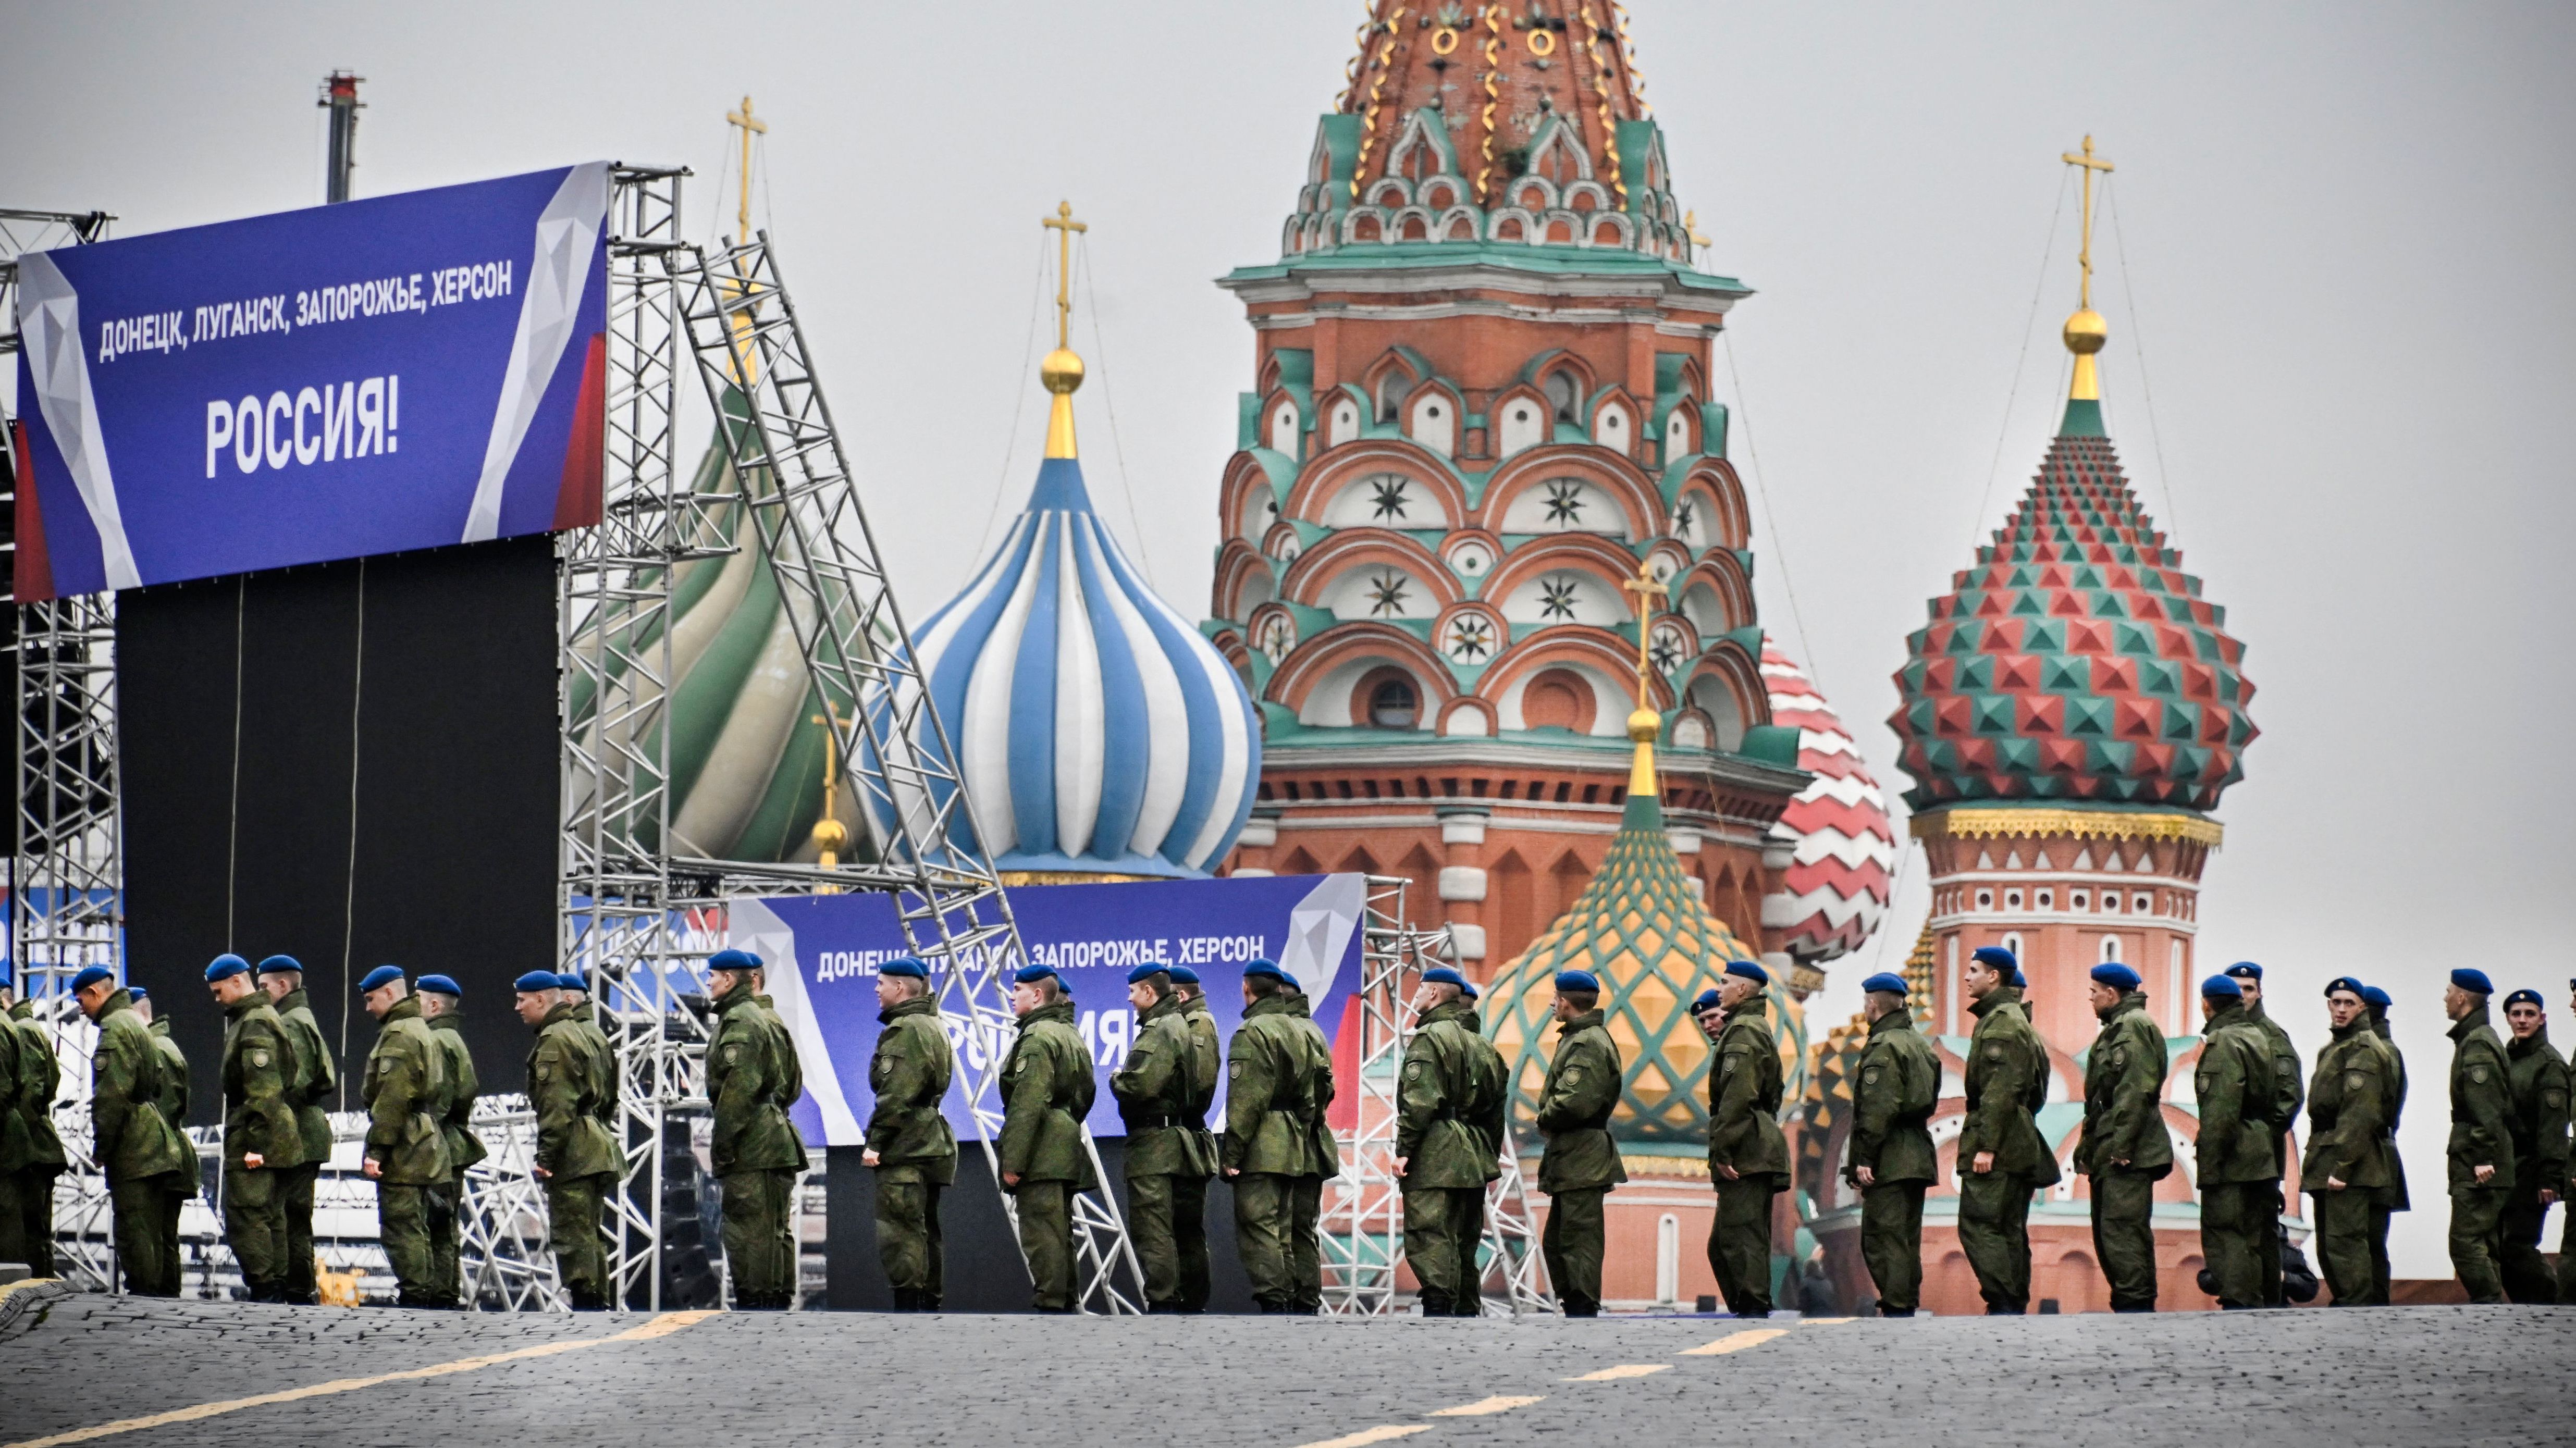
pixel 1560 395
pixel 1393 704
pixel 1390 391
pixel 2110 949
pixel 2012 942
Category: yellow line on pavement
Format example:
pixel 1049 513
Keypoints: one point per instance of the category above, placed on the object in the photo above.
pixel 662 1326
pixel 1623 1370
pixel 1483 1406
pixel 1736 1342
pixel 1365 1436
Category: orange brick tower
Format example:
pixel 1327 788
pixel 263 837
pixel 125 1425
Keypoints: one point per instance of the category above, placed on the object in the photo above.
pixel 1482 401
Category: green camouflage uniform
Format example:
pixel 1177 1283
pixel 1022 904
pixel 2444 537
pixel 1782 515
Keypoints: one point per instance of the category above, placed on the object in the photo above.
pixel 2539 1163
pixel 2387 1203
pixel 577 1153
pixel 1744 1134
pixel 2238 1181
pixel 260 1070
pixel 1153 1092
pixel 916 1152
pixel 1893 1095
pixel 1581 1164
pixel 2350 1104
pixel 1446 1124
pixel 2288 1095
pixel 1279 1150
pixel 464 1148
pixel 31 1154
pixel 144 1156
pixel 2481 1135
pixel 1190 1194
pixel 317 1082
pixel 2125 1149
pixel 1047 1090
pixel 2007 1083
pixel 756 1153
pixel 406 1095
pixel 174 1109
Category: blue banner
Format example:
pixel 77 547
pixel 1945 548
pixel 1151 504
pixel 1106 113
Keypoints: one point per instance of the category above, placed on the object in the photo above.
pixel 382 375
pixel 1092 934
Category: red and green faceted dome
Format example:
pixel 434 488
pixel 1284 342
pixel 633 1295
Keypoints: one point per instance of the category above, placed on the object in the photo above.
pixel 2076 661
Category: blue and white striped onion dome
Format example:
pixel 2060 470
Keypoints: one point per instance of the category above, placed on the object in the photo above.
pixel 1099 732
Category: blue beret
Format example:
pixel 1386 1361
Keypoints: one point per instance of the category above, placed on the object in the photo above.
pixel 1996 958
pixel 2345 982
pixel 733 960
pixel 1146 972
pixel 2220 987
pixel 225 965
pixel 1443 975
pixel 1709 1000
pixel 1264 966
pixel 534 981
pixel 2245 970
pixel 2117 976
pixel 2373 995
pixel 1028 973
pixel 277 963
pixel 1470 988
pixel 92 976
pixel 441 984
pixel 906 967
pixel 1183 975
pixel 379 978
pixel 1576 980
pixel 139 993
pixel 2518 998
pixel 571 980
pixel 2467 978
pixel 1749 971
pixel 1884 983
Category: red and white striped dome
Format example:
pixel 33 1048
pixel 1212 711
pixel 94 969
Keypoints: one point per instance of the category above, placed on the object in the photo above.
pixel 1838 882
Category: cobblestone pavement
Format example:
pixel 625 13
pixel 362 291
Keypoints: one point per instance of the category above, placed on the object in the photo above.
pixel 2400 1376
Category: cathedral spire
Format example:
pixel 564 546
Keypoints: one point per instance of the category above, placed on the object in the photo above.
pixel 1644 723
pixel 1061 371
pixel 2085 331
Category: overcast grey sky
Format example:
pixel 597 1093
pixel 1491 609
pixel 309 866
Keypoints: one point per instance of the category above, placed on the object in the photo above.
pixel 2344 227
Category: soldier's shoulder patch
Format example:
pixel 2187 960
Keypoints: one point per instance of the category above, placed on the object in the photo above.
pixel 1233 1070
pixel 1729 1062
pixel 1412 1068
pixel 1573 1074
pixel 2119 1055
pixel 1871 1075
pixel 2554 1100
pixel 259 1056
pixel 2478 1074
pixel 2355 1081
pixel 733 1051
pixel 1995 1052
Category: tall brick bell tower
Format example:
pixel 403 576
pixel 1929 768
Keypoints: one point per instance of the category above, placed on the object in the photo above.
pixel 1482 402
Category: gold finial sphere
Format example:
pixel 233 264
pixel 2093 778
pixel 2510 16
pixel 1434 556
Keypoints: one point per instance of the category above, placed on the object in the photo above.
pixel 1061 371
pixel 2086 332
pixel 831 834
pixel 1644 725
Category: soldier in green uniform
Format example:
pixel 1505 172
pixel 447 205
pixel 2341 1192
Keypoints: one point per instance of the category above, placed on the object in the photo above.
pixel 442 1004
pixel 2005 1157
pixel 2287 1096
pixel 2539 1079
pixel 1047 1090
pixel 173 1105
pixel 262 1141
pixel 2346 1168
pixel 1279 1078
pixel 1581 1163
pixel 405 1094
pixel 1189 1200
pixel 142 1155
pixel 317 1084
pixel 1748 1159
pixel 1444 1155
pixel 2481 1145
pixel 1153 1091
pixel 1892 1159
pixel 910 1146
pixel 2392 1199
pixel 757 1154
pixel 31 1154
pixel 577 1158
pixel 2238 1182
pixel 2125 1149
pixel 575 992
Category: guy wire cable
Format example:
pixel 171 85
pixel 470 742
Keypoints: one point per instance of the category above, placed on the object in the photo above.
pixel 2138 353
pixel 1977 525
pixel 1019 405
pixel 1109 403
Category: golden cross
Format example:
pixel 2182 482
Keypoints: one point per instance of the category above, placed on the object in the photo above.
pixel 749 123
pixel 1647 591
pixel 1064 226
pixel 2091 164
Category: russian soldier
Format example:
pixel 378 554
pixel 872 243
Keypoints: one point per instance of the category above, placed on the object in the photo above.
pixel 2393 1199
pixel 1581 1164
pixel 909 1145
pixel 2125 1149
pixel 2288 1094
pixel 2539 1080
pixel 31 1153
pixel 577 1158
pixel 2007 1158
pixel 2567 1219
pixel 2346 1168
pixel 1189 1203
pixel 134 1144
pixel 2481 1146
pixel 756 1154
pixel 1748 1160
pixel 1892 1159
pixel 1047 1091
pixel 317 1080
pixel 263 1141
pixel 173 1105
pixel 405 1094
pixel 1443 1154
pixel 442 1004
pixel 2235 1171
pixel 1153 1091
pixel 1279 1078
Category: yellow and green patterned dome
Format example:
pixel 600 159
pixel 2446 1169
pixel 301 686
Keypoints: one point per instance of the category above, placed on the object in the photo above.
pixel 1641 927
